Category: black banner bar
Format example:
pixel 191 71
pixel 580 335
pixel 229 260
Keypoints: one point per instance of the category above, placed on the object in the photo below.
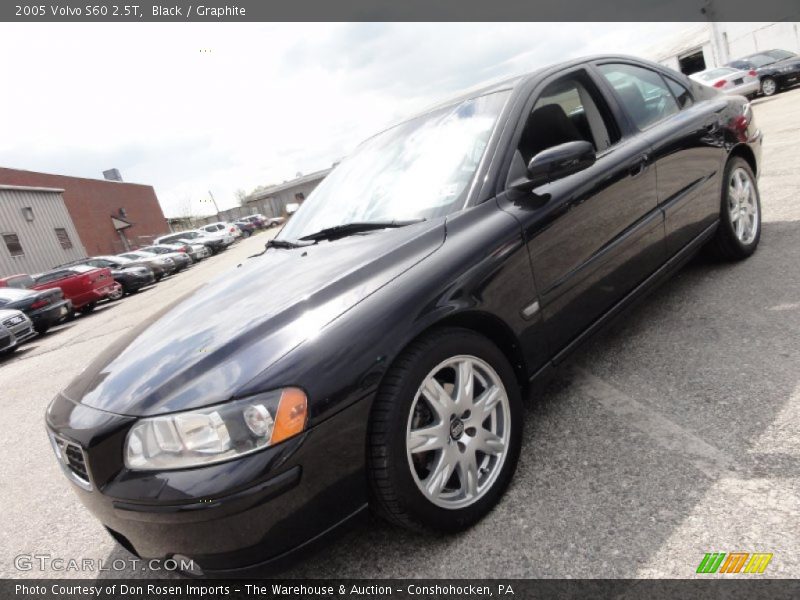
pixel 733 588
pixel 396 10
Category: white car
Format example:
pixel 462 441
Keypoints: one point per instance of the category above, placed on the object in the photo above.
pixel 215 241
pixel 729 81
pixel 221 226
pixel 15 328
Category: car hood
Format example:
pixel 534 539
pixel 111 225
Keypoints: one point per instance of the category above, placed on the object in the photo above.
pixel 206 346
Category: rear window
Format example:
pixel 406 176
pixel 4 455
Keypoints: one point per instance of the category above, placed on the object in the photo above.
pixel 11 294
pixel 79 269
pixel 715 74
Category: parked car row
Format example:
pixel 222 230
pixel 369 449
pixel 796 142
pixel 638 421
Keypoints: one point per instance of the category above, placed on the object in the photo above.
pixel 32 304
pixel 766 73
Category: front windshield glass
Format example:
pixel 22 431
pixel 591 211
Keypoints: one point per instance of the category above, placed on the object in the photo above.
pixel 761 60
pixel 418 169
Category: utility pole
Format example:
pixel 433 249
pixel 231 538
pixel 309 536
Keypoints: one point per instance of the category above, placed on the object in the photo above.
pixel 216 208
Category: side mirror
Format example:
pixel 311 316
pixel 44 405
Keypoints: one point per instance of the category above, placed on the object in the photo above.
pixel 556 162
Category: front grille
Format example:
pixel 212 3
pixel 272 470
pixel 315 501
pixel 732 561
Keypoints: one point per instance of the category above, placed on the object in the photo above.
pixel 14 321
pixel 73 460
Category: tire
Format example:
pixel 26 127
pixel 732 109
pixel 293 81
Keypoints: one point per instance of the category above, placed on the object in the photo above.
pixel 769 87
pixel 42 329
pixel 86 309
pixel 731 242
pixel 399 475
pixel 117 295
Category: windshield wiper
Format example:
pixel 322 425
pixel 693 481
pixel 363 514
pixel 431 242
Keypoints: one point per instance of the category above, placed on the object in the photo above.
pixel 338 231
pixel 287 244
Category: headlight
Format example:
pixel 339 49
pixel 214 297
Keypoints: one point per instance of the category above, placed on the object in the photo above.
pixel 215 434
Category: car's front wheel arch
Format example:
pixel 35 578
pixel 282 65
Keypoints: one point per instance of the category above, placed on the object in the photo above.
pixel 396 493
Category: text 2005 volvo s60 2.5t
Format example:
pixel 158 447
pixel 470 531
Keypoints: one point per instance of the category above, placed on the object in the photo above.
pixel 377 352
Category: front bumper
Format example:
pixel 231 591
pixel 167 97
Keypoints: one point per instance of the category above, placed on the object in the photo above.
pixel 22 331
pixel 228 516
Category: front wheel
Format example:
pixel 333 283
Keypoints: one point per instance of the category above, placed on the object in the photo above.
pixel 85 310
pixel 769 86
pixel 739 229
pixel 445 432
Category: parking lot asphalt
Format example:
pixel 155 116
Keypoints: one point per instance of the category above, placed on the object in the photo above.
pixel 674 433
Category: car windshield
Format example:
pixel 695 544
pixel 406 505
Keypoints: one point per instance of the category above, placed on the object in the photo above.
pixel 780 54
pixel 418 169
pixel 715 74
pixel 761 60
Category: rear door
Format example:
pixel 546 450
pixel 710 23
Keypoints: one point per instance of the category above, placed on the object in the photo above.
pixel 687 145
pixel 592 236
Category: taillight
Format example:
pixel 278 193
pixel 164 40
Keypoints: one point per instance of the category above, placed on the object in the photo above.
pixel 233 229
pixel 720 84
pixel 752 73
pixel 40 303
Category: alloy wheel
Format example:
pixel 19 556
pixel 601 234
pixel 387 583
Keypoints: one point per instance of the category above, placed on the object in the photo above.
pixel 769 87
pixel 743 206
pixel 458 432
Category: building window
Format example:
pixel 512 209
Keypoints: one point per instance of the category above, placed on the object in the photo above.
pixel 28 212
pixel 13 245
pixel 63 238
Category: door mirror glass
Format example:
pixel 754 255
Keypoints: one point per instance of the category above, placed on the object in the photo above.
pixel 555 163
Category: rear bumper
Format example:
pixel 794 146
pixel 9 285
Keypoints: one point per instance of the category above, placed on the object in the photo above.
pixel 230 517
pixel 136 282
pixel 51 314
pixel 745 89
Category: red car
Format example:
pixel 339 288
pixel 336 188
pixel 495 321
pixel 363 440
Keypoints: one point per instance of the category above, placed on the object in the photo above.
pixel 83 285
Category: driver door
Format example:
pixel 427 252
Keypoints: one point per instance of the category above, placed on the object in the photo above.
pixel 594 235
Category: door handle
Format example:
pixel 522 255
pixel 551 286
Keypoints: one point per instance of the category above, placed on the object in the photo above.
pixel 640 166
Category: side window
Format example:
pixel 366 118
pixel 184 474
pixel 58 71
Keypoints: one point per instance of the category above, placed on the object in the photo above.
pixel 568 110
pixel 642 92
pixel 63 238
pixel 680 92
pixel 48 277
pixel 12 244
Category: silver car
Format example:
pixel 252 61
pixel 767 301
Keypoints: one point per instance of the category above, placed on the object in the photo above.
pixel 729 81
pixel 181 259
pixel 18 325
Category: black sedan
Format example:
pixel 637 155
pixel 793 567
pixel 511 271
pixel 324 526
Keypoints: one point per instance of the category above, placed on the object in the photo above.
pixel 377 352
pixel 777 69
pixel 131 276
pixel 46 308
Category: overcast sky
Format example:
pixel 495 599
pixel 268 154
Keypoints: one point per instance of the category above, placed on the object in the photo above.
pixel 194 107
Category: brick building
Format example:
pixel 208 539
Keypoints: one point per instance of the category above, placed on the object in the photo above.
pixel 108 215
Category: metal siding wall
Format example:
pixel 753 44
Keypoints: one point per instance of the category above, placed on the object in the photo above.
pixel 38 238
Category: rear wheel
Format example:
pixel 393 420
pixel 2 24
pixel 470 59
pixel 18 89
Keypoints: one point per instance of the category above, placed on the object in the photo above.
pixel 85 310
pixel 768 86
pixel 116 294
pixel 42 329
pixel 739 229
pixel 445 432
